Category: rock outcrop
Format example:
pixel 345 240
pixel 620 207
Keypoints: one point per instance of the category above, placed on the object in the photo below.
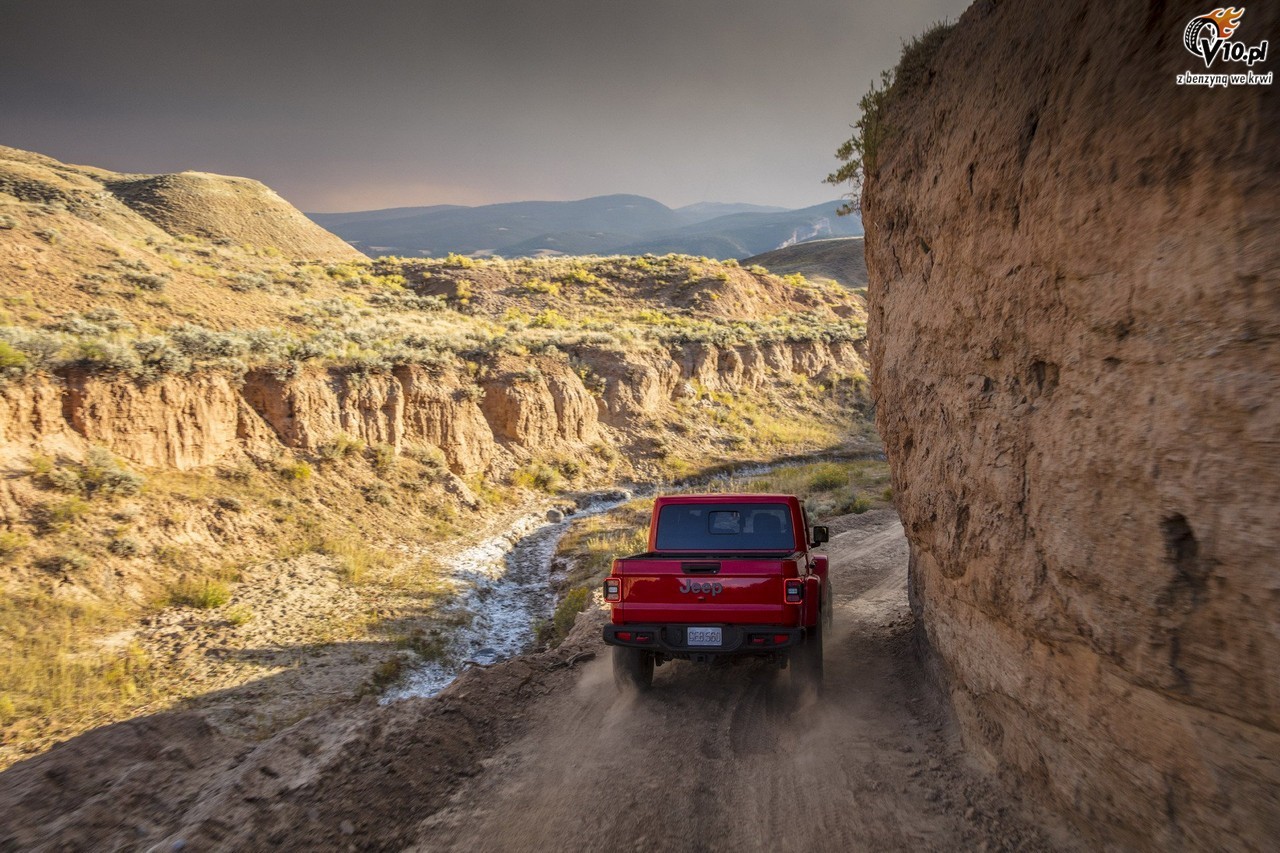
pixel 515 410
pixel 1075 343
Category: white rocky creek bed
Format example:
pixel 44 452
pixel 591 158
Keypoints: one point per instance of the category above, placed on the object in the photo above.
pixel 506 582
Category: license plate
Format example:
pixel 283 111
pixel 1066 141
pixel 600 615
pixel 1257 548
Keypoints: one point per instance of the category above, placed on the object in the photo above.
pixel 703 636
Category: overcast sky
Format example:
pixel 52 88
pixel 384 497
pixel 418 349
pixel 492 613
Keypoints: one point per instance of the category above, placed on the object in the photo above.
pixel 385 103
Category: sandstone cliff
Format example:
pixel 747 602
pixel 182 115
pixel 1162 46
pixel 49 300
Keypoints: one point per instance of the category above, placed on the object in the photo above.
pixel 518 409
pixel 1074 326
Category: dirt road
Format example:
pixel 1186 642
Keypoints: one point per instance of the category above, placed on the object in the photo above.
pixel 542 752
pixel 718 759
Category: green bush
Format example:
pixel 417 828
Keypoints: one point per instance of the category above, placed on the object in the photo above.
pixel 826 478
pixel 104 474
pixel 297 472
pixel 11 360
pixel 538 285
pixel 238 615
pixel 378 493
pixel 244 282
pixel 147 281
pixel 204 593
pixel 537 476
pixel 341 446
pixel 574 602
pixel 383 458
pixel 123 546
pixel 860 152
pixel 65 480
pixel 11 542
pixel 63 513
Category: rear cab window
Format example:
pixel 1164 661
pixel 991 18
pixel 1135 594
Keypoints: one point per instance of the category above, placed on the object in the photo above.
pixel 710 528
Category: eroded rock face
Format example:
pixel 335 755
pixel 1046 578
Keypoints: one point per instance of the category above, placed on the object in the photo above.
pixel 441 409
pixel 180 422
pixel 538 405
pixel 1075 343
pixel 520 409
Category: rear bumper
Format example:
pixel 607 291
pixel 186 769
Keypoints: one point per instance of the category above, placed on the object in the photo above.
pixel 670 640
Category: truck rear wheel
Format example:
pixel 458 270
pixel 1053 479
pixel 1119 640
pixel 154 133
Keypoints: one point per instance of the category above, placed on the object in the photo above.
pixel 806 661
pixel 632 668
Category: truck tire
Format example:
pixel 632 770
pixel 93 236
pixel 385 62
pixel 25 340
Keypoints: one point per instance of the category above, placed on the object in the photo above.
pixel 632 668
pixel 806 662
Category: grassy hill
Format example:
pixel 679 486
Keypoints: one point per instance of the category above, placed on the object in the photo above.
pixel 101 208
pixel 838 260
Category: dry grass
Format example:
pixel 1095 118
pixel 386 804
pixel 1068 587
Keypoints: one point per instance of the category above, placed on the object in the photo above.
pixel 355 559
pixel 594 542
pixel 828 488
pixel 53 669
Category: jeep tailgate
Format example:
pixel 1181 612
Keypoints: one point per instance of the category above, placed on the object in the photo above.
pixel 739 590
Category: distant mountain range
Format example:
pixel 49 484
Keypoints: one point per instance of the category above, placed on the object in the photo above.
pixel 604 225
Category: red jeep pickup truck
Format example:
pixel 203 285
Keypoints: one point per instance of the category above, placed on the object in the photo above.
pixel 724 575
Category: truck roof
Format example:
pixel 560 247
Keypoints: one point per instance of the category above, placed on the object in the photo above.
pixel 727 498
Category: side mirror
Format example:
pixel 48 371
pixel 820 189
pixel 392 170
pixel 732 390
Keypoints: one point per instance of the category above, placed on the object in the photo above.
pixel 820 535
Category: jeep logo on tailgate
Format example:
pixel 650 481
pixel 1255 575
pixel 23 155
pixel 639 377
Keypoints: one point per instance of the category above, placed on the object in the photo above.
pixel 688 586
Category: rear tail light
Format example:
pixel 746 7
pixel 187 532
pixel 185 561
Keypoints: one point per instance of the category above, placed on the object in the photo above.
pixel 624 635
pixel 794 591
pixel 644 637
pixel 612 589
pixel 769 639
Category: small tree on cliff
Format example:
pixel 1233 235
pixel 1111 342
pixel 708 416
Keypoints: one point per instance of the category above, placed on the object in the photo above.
pixel 858 153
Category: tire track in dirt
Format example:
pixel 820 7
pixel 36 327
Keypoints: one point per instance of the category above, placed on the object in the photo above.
pixel 717 758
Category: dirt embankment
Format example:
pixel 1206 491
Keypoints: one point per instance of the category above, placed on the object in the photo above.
pixel 519 407
pixel 1074 339
pixel 543 752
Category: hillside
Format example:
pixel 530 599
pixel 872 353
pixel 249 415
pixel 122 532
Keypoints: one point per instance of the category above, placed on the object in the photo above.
pixel 191 425
pixel 617 224
pixel 840 260
pixel 196 204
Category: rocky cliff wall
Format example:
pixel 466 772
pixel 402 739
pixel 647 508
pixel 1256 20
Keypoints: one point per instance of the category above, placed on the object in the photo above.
pixel 1075 345
pixel 514 409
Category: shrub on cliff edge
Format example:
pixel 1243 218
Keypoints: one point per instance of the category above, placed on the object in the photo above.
pixel 859 152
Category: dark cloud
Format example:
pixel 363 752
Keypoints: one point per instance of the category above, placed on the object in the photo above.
pixel 381 103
